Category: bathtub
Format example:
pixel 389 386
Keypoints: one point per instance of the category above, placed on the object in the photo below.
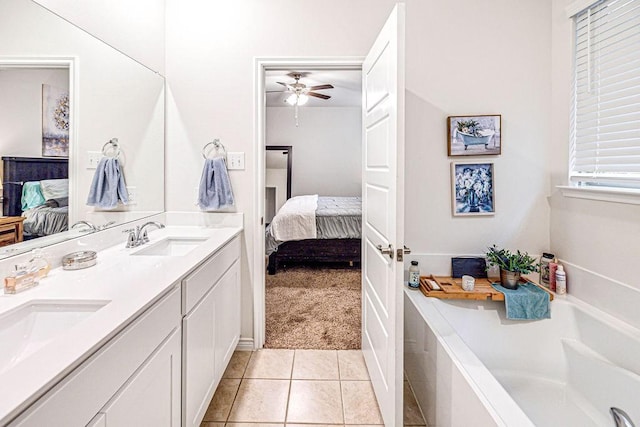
pixel 470 366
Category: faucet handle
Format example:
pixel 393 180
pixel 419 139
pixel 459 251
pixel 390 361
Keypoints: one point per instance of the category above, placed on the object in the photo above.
pixel 132 240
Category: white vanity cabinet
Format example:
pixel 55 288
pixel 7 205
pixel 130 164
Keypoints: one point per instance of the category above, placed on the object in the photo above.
pixel 134 379
pixel 210 328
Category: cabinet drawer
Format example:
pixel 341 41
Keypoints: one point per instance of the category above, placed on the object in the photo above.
pixel 198 283
pixel 80 396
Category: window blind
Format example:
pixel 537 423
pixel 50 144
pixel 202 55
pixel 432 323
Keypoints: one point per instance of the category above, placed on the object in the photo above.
pixel 605 125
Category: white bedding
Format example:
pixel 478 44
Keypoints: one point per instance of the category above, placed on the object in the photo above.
pixel 296 219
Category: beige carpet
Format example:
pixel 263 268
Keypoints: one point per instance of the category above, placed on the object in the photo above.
pixel 313 308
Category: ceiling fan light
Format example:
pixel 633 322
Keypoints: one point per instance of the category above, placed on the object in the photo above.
pixel 302 99
pixel 291 99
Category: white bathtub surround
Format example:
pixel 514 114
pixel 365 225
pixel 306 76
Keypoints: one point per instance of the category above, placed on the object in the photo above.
pixel 128 284
pixel 568 370
pixel 619 299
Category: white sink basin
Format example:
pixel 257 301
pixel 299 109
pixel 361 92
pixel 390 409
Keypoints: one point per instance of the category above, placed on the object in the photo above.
pixel 171 246
pixel 30 326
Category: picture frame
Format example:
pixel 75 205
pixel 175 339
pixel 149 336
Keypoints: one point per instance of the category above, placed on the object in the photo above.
pixel 473 188
pixel 55 121
pixel 479 135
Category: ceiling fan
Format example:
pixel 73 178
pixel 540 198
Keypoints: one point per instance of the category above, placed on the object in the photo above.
pixel 300 93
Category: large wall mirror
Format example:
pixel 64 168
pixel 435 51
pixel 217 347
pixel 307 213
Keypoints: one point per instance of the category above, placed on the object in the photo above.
pixel 54 75
pixel 277 178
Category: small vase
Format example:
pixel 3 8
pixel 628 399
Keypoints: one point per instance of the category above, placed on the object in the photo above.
pixel 509 279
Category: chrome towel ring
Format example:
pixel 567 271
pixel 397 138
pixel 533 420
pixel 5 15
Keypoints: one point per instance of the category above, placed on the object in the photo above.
pixel 111 148
pixel 218 150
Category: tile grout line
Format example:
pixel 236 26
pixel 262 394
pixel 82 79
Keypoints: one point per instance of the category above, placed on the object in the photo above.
pixel 286 409
pixel 238 390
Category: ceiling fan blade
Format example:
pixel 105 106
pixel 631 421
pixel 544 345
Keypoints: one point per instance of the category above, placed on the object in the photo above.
pixel 283 84
pixel 277 91
pixel 318 95
pixel 320 87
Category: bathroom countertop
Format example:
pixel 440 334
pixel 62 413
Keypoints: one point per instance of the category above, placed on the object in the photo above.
pixel 131 284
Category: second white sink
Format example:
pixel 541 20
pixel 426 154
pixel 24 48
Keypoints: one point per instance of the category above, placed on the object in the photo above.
pixel 30 326
pixel 171 246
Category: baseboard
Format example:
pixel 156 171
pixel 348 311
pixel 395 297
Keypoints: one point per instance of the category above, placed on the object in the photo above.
pixel 245 344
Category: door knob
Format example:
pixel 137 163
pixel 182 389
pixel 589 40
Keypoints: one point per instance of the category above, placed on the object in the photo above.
pixel 386 251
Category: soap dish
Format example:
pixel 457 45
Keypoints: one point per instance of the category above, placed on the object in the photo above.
pixel 79 260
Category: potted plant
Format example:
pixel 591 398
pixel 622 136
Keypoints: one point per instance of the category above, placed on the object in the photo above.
pixel 511 264
pixel 472 133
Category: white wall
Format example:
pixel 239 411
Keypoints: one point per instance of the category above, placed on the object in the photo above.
pixel 598 239
pixel 469 57
pixel 136 28
pixel 327 148
pixel 463 57
pixel 21 108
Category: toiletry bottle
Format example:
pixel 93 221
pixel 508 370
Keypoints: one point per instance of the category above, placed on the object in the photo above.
pixel 545 259
pixel 553 267
pixel 21 279
pixel 39 262
pixel 561 280
pixel 414 275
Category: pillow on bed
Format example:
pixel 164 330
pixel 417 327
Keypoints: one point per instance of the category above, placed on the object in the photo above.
pixel 55 188
pixel 57 203
pixel 31 195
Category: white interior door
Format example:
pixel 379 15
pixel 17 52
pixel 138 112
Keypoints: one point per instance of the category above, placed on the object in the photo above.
pixel 383 208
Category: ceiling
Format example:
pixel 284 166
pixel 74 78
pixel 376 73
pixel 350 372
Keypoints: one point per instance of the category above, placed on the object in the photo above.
pixel 346 92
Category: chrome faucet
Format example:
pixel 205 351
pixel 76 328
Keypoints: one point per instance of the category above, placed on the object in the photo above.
pixel 87 223
pixel 138 236
pixel 93 227
pixel 621 418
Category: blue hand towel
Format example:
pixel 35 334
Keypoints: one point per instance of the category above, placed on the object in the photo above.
pixel 215 187
pixel 108 185
pixel 528 302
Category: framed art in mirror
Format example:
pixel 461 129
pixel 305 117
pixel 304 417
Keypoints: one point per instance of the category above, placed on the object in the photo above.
pixel 55 121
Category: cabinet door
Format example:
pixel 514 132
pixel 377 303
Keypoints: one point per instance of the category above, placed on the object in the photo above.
pixel 198 373
pixel 227 317
pixel 151 397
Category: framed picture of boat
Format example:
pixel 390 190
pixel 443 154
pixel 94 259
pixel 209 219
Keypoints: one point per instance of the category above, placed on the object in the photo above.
pixel 474 135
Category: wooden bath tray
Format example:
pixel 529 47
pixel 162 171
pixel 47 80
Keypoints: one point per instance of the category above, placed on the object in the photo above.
pixel 451 288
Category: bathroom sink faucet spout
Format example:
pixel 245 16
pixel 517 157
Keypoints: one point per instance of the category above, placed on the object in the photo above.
pixel 621 418
pixel 139 235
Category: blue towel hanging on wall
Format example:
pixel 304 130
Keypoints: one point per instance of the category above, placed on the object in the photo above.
pixel 215 191
pixel 108 185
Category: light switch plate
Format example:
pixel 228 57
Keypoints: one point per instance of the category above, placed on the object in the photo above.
pixel 93 158
pixel 133 195
pixel 235 160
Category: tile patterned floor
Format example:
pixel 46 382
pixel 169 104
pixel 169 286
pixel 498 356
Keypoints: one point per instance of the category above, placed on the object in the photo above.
pixel 299 388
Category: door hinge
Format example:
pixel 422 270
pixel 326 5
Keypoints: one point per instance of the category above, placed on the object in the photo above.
pixel 261 220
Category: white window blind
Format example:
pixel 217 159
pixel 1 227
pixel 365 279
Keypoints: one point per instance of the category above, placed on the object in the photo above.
pixel 605 131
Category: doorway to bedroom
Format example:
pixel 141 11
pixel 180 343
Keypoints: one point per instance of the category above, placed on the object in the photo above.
pixel 312 206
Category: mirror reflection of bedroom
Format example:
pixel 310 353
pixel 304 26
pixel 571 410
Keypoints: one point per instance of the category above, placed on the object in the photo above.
pixel 34 145
pixel 313 213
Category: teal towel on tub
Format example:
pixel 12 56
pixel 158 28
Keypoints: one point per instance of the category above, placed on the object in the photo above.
pixel 528 302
